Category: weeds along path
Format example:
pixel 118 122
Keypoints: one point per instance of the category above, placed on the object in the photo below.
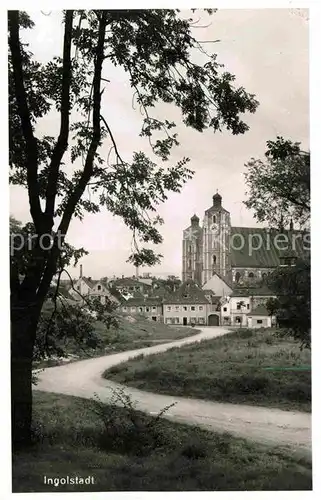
pixel 270 426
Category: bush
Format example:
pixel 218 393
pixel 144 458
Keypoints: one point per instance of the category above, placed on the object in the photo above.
pixel 245 333
pixel 130 432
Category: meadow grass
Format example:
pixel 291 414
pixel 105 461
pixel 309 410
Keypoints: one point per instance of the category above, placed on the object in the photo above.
pixel 244 366
pixel 70 439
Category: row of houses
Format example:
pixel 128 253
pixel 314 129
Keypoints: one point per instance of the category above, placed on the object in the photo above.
pixel 216 303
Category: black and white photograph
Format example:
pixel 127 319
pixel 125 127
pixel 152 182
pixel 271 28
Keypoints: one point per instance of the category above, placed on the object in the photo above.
pixel 159 240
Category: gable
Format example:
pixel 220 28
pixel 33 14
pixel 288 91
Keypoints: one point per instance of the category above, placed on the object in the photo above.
pixel 218 285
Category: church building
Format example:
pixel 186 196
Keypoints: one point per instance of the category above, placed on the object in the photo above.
pixel 236 254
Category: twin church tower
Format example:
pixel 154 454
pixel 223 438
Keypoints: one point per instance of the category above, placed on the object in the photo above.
pixel 206 247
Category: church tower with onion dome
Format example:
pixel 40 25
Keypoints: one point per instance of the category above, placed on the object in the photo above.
pixel 216 237
pixel 192 251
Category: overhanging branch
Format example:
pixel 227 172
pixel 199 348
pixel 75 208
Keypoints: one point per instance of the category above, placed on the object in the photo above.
pixel 96 136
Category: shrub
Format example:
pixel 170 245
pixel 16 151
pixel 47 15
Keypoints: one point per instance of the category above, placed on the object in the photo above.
pixel 130 432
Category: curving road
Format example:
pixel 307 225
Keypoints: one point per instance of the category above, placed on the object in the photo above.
pixel 270 426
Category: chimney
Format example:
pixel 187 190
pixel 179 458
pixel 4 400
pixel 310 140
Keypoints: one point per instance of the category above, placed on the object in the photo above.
pixel 291 225
pixel 137 272
pixel 80 275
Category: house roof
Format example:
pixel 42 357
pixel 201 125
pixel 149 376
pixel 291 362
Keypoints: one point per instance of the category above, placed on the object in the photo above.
pixel 188 293
pixel 252 292
pixel 268 254
pixel 260 310
pixel 128 282
pixel 143 301
pixel 89 282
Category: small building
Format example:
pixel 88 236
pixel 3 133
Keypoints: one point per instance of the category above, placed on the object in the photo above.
pixel 236 308
pixel 86 288
pixel 260 318
pixel 187 306
pixel 150 307
pixel 128 286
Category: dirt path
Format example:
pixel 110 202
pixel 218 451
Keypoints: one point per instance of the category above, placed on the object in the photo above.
pixel 265 425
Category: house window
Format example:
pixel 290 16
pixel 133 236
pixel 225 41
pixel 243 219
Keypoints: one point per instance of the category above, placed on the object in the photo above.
pixel 200 308
pixel 193 320
pixel 131 288
pixel 201 321
pixel 176 308
pixel 154 318
pixel 184 308
pixel 259 321
pixel 238 306
pixel 78 287
pixel 248 306
pixel 133 309
pixel 185 295
pixel 125 308
pixel 251 275
pixel 98 287
pixel 226 319
pixel 177 321
pixel 224 309
pixel 147 309
pixel 238 319
pixel 154 308
pixel 237 277
pixel 168 308
pixel 192 308
pixel 168 320
pixel 140 309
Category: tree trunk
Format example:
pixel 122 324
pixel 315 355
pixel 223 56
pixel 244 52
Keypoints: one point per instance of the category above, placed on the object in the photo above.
pixel 23 333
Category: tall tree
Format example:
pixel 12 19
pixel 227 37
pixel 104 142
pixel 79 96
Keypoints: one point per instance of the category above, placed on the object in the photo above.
pixel 279 195
pixel 279 185
pixel 156 50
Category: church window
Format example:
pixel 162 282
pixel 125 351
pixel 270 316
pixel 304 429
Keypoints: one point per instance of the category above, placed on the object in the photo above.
pixel 214 219
pixel 189 263
pixel 214 260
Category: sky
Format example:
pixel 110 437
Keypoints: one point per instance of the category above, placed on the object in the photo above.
pixel 267 50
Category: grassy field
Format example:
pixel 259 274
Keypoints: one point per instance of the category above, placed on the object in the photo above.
pixel 252 367
pixel 132 333
pixel 71 440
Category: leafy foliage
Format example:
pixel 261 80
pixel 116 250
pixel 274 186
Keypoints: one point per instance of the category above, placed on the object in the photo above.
pixel 279 186
pixel 154 48
pixel 65 324
pixel 292 286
